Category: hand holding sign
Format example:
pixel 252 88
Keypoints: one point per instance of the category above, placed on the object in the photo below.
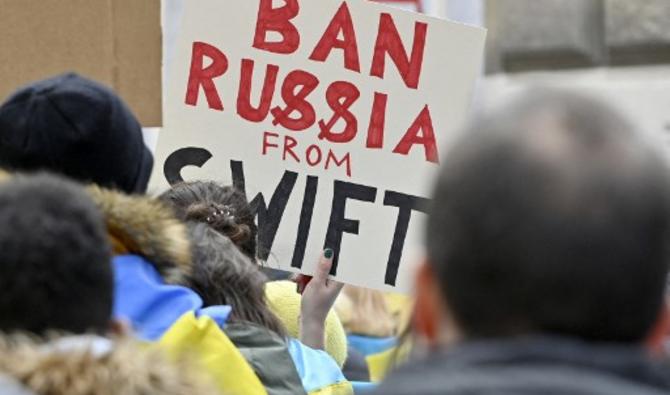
pixel 329 115
pixel 318 298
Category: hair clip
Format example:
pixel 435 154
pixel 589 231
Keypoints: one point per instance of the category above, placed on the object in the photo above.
pixel 223 211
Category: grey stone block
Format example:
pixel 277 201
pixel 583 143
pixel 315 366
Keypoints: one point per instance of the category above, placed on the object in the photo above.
pixel 638 31
pixel 544 34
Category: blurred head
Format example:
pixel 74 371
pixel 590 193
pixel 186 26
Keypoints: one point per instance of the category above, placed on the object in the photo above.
pixel 55 268
pixel 223 208
pixel 550 216
pixel 75 127
pixel 223 275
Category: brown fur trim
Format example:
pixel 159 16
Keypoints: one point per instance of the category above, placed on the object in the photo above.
pixel 144 226
pixel 127 369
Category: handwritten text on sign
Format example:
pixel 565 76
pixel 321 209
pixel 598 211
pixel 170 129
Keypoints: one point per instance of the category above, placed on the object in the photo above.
pixel 331 112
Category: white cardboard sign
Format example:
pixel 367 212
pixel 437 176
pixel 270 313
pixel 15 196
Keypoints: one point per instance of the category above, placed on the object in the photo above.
pixel 331 115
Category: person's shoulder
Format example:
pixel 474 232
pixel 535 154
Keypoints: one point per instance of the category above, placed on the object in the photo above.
pixel 318 371
pixel 444 375
pixel 421 377
pixel 85 364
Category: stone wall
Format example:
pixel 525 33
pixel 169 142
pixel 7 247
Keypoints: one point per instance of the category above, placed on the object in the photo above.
pixel 558 34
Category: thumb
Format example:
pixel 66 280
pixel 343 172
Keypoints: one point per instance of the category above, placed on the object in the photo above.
pixel 324 265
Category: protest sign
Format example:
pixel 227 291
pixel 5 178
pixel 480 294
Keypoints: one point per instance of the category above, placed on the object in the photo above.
pixel 330 115
pixel 115 42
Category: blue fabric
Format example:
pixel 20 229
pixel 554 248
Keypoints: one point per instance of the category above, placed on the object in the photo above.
pixel 151 306
pixel 363 387
pixel 316 368
pixel 371 345
pixel 219 314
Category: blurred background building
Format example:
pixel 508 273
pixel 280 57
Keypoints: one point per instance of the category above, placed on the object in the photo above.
pixel 617 49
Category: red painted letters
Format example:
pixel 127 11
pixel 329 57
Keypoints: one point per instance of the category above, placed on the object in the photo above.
pixel 295 110
pixel 341 95
pixel 389 42
pixel 422 123
pixel 296 101
pixel 204 77
pixel 277 20
pixel 377 121
pixel 341 23
pixel 244 107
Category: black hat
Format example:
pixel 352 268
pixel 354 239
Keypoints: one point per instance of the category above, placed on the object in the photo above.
pixel 76 127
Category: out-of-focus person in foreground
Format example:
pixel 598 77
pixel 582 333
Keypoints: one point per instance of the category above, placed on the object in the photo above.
pixel 547 257
pixel 58 335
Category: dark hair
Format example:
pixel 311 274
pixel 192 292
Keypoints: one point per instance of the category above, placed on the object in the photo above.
pixel 552 216
pixel 55 259
pixel 223 275
pixel 223 208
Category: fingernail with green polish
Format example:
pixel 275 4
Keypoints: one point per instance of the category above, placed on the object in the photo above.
pixel 328 253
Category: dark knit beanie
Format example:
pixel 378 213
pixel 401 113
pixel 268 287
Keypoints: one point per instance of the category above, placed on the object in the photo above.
pixel 76 127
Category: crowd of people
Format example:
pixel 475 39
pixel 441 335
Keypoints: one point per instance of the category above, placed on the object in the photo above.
pixel 547 258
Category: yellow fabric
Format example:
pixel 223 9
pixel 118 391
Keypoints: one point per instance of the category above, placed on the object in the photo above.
pixel 343 388
pixel 202 339
pixel 285 303
pixel 380 364
pixel 397 303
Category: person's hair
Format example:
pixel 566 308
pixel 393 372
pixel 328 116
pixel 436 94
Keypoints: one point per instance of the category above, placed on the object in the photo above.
pixel 55 259
pixel 365 312
pixel 223 208
pixel 223 275
pixel 552 216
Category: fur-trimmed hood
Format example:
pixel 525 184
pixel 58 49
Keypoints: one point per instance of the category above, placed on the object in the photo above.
pixel 83 365
pixel 145 226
